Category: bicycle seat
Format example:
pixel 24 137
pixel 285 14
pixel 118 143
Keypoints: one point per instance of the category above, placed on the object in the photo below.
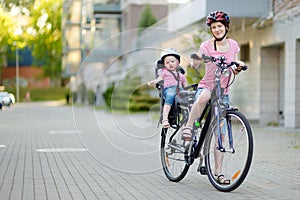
pixel 185 97
pixel 185 93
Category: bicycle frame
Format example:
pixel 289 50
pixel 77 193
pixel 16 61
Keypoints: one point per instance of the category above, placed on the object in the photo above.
pixel 216 108
pixel 212 141
pixel 208 113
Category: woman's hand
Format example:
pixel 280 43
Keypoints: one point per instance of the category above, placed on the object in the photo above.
pixel 195 60
pixel 195 63
pixel 241 65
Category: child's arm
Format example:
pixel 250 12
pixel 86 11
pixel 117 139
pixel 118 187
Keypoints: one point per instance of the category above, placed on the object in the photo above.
pixel 184 82
pixel 153 82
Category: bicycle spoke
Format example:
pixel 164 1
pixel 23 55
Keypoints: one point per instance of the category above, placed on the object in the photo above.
pixel 172 155
pixel 233 165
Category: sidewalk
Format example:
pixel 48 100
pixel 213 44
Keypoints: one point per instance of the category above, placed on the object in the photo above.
pixel 65 152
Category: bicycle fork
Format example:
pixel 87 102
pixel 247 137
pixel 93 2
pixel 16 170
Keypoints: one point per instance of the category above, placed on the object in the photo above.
pixel 228 130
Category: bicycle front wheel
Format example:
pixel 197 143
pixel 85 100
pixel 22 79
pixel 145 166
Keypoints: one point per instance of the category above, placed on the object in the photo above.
pixel 235 162
pixel 173 154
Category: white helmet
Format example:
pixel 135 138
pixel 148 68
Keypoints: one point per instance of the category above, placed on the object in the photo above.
pixel 169 52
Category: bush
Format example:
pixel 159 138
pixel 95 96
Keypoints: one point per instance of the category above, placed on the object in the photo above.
pixel 130 95
pixel 91 97
pixel 107 95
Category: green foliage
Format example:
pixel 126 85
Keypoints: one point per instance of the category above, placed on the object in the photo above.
pixel 46 42
pixel 197 38
pixel 41 94
pixel 107 95
pixel 45 94
pixel 24 3
pixel 195 75
pixel 147 19
pixel 36 24
pixel 91 97
pixel 130 95
pixel 5 23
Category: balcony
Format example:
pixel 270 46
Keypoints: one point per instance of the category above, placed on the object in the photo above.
pixel 197 10
pixel 242 13
pixel 102 55
pixel 107 7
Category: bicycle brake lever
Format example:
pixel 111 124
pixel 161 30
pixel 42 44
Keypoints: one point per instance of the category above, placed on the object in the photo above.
pixel 208 58
pixel 195 56
pixel 244 68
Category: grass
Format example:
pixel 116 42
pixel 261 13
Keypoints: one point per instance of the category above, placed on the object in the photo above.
pixel 41 94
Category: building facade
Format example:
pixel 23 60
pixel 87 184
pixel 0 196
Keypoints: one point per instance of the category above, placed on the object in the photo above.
pixel 268 33
pixel 274 42
pixel 96 33
pixel 266 30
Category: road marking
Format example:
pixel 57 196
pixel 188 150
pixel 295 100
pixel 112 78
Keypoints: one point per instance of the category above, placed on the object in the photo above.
pixel 54 150
pixel 64 132
pixel 2 146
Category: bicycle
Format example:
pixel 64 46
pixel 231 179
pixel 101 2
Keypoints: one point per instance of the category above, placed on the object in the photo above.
pixel 219 128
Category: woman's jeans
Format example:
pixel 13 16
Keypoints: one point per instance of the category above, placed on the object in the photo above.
pixel 225 97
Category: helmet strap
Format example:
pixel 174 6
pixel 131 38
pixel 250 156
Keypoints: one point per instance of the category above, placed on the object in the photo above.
pixel 219 39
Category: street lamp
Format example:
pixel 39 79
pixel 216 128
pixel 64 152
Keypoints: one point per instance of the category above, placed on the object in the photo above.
pixel 17 75
pixel 16 12
pixel 17 33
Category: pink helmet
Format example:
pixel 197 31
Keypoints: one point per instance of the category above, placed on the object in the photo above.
pixel 218 16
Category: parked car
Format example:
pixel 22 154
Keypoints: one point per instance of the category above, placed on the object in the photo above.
pixel 12 97
pixel 5 99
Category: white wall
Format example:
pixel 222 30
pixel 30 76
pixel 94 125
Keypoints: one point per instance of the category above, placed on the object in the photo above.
pixel 283 33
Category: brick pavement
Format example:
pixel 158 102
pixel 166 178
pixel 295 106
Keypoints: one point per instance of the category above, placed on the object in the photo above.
pixel 64 152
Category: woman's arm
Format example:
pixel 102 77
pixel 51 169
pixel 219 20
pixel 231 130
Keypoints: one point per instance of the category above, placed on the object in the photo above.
pixel 195 60
pixel 241 64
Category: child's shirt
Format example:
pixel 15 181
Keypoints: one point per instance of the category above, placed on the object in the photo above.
pixel 208 81
pixel 169 79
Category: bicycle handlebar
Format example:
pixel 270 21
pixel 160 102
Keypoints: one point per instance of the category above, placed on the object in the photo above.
pixel 244 68
pixel 220 61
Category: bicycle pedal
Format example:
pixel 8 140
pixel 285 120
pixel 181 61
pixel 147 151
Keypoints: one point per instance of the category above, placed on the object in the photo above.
pixel 202 170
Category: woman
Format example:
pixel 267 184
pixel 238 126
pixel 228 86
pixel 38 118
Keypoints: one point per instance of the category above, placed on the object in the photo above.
pixel 219 45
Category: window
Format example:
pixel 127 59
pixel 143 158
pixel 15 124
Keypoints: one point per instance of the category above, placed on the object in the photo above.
pixel 245 52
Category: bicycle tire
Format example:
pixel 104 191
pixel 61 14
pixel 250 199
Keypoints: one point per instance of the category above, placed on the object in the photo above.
pixel 235 166
pixel 173 160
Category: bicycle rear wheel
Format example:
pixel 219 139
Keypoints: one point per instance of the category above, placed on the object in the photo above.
pixel 233 165
pixel 173 154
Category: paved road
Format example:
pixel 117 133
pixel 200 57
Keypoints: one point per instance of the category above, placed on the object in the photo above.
pixel 63 152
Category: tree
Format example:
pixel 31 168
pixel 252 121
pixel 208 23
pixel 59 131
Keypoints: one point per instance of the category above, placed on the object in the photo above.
pixel 19 3
pixel 10 32
pixel 147 19
pixel 36 24
pixel 45 35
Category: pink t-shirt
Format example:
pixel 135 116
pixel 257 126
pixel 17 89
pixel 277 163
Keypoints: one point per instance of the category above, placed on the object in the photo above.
pixel 208 81
pixel 169 79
